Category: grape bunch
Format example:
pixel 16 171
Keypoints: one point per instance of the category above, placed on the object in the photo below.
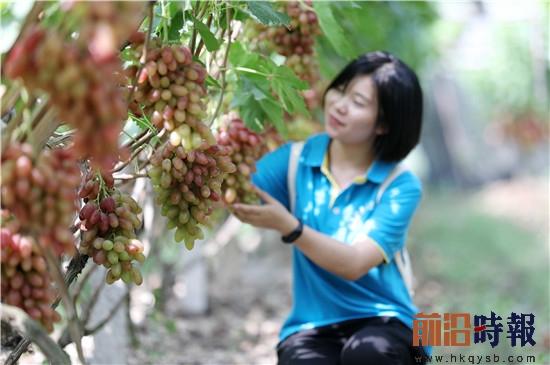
pixel 109 219
pixel 170 91
pixel 86 93
pixel 295 43
pixel 83 76
pixel 187 183
pixel 41 193
pixel 25 279
pixel 246 147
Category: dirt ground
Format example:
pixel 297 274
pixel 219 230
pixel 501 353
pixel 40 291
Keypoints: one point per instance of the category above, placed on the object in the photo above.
pixel 244 316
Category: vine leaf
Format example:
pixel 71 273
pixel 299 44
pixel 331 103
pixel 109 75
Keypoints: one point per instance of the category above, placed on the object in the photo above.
pixel 333 30
pixel 265 90
pixel 263 12
pixel 176 24
pixel 210 41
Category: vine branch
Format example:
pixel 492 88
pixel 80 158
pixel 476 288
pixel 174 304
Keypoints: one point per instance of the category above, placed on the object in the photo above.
pixel 224 67
pixel 73 322
pixel 34 331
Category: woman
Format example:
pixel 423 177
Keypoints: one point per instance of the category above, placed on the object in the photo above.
pixel 350 303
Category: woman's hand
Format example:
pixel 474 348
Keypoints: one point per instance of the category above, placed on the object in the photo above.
pixel 272 214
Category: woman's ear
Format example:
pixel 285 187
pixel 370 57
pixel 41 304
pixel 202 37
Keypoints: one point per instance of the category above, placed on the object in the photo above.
pixel 381 129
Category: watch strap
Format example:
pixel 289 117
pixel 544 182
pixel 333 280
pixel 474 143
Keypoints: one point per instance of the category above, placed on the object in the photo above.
pixel 293 236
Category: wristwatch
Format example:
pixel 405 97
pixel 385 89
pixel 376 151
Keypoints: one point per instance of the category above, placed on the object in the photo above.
pixel 293 236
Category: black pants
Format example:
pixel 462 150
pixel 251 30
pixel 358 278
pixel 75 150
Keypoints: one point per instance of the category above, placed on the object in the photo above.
pixel 376 341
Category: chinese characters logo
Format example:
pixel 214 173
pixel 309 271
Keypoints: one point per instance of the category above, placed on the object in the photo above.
pixel 455 329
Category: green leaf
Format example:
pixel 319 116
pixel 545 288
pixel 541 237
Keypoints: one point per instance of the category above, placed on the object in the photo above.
pixel 285 74
pixel 212 82
pixel 265 90
pixel 174 7
pixel 291 100
pixel 241 15
pixel 208 38
pixel 176 24
pixel 249 109
pixel 127 55
pixel 239 56
pixel 333 30
pixel 274 114
pixel 263 12
pixel 130 131
pixel 158 20
pixel 252 115
pixel 278 59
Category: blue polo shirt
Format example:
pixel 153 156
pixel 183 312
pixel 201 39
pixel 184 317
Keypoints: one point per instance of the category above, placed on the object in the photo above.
pixel 320 297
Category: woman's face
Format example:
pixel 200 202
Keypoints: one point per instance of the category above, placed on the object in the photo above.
pixel 351 113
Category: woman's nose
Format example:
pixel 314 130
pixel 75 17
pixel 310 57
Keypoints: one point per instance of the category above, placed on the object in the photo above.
pixel 341 105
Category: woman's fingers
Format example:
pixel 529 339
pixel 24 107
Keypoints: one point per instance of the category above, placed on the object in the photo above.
pixel 263 195
pixel 247 208
pixel 252 214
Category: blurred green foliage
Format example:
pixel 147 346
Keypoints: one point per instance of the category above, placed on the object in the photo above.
pixel 357 27
pixel 481 263
pixel 507 84
pixel 416 32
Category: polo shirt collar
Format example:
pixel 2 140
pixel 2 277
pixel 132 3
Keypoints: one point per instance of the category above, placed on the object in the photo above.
pixel 317 148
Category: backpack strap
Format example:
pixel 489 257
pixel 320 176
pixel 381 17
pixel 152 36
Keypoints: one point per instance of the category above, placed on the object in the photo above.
pixel 402 259
pixel 295 152
pixel 397 170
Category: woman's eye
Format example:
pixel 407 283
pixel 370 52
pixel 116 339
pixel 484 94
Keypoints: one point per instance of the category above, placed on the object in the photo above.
pixel 359 103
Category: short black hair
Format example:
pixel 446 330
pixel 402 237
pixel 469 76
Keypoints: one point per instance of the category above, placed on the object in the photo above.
pixel 399 101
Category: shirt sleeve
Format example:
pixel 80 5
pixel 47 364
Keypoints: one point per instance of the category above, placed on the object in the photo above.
pixel 390 220
pixel 271 174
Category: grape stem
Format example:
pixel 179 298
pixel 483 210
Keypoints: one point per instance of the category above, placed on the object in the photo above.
pixel 138 147
pixel 215 53
pixel 8 100
pixel 129 177
pixel 224 65
pixel 20 123
pixel 44 123
pixel 59 138
pixel 40 122
pixel 197 16
pixel 194 33
pixel 134 139
pixel 72 317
